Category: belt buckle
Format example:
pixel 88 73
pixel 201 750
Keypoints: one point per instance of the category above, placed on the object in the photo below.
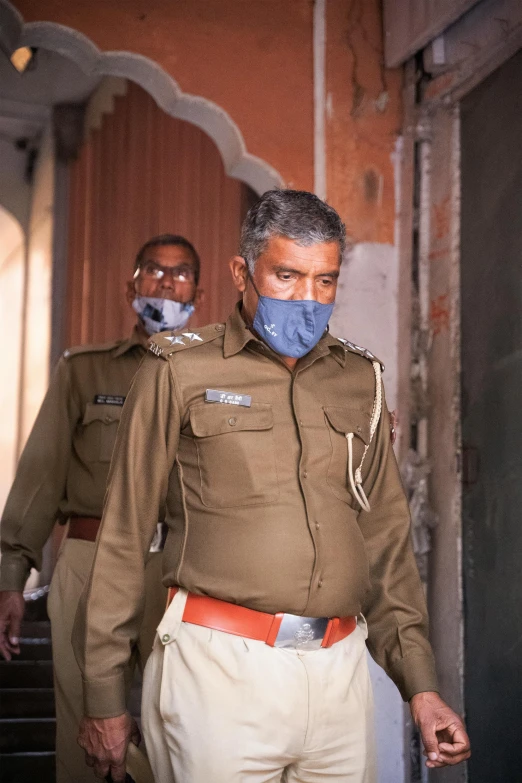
pixel 301 633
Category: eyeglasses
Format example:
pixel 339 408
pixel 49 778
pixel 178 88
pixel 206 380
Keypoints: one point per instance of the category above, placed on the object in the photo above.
pixel 153 271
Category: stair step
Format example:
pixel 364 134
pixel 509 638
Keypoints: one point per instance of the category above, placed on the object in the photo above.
pixel 18 735
pixel 35 649
pixel 24 767
pixel 27 703
pixel 26 674
pixel 38 629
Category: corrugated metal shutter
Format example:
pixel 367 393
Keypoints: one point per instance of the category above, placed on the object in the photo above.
pixel 145 173
pixel 410 24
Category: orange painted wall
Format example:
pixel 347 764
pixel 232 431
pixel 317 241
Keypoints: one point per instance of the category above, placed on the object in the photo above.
pixel 254 58
pixel 251 57
pixel 363 120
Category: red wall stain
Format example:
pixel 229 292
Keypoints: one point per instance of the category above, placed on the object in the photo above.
pixel 442 218
pixel 439 314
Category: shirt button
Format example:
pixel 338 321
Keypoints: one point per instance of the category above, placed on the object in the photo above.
pixel 320 583
pixel 301 422
pixel 219 327
pixel 165 638
pixel 232 421
pixel 359 429
pixel 305 474
pixel 317 525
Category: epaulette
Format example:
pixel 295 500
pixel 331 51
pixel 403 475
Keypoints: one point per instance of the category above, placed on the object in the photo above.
pixel 348 346
pixel 167 343
pixel 100 348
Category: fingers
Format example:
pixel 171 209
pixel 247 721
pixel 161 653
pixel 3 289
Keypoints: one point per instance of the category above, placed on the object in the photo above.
pixel 101 769
pixel 135 736
pixel 11 614
pixel 105 741
pixel 118 773
pixel 430 742
pixel 14 632
pixel 451 753
pixel 9 645
pixel 5 649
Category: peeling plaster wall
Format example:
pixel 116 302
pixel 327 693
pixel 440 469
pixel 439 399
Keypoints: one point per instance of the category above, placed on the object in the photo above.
pixel 366 311
pixel 363 120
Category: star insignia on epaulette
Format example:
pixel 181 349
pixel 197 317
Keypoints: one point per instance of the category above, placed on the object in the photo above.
pixel 192 336
pixel 175 340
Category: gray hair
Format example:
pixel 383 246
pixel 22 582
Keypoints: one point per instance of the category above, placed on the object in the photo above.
pixel 295 214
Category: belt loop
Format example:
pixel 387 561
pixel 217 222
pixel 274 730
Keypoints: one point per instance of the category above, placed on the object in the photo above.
pixel 170 596
pixel 329 636
pixel 170 624
pixel 274 629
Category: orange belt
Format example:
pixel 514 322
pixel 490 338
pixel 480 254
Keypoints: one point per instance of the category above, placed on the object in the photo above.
pixel 84 528
pixel 251 624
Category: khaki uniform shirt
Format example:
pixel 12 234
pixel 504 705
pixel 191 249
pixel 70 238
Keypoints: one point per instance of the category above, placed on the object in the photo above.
pixel 257 502
pixel 63 469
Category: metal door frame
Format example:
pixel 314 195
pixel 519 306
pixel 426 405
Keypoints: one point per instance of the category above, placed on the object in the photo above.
pixel 429 389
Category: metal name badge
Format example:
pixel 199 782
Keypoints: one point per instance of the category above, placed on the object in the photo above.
pixel 228 398
pixel 109 399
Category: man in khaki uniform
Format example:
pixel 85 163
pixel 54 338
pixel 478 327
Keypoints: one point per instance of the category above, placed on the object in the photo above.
pixel 62 475
pixel 265 444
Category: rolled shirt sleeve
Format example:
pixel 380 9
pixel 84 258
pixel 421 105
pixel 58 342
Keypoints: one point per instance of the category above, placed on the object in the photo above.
pixel 110 610
pixel 40 482
pixel 395 607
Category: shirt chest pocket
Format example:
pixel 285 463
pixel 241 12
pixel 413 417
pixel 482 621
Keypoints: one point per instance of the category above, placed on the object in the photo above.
pixel 236 455
pixel 340 422
pixel 98 432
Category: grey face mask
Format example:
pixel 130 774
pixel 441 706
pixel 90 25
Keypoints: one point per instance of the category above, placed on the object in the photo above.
pixel 160 315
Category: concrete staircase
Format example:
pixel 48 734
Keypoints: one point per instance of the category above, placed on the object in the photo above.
pixel 27 722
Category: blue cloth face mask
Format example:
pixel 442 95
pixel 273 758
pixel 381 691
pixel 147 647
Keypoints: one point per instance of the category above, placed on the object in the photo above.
pixel 291 327
pixel 160 315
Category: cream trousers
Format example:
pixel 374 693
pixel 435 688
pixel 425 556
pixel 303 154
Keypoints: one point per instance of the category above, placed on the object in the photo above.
pixel 218 708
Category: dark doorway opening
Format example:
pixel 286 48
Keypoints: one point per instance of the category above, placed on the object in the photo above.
pixel 491 131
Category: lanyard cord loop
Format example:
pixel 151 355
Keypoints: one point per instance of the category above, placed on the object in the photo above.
pixel 355 479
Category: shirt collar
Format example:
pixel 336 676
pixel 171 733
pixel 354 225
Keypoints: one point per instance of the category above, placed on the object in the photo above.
pixel 238 335
pixel 134 340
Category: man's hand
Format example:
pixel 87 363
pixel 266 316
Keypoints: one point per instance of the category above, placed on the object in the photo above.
pixel 105 742
pixel 443 733
pixel 12 608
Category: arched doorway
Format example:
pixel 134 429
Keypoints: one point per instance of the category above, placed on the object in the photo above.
pixel 140 173
pixel 75 276
pixel 213 131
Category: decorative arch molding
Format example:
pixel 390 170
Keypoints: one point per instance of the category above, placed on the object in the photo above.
pixel 206 114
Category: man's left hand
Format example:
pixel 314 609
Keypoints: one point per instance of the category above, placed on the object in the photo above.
pixel 443 734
